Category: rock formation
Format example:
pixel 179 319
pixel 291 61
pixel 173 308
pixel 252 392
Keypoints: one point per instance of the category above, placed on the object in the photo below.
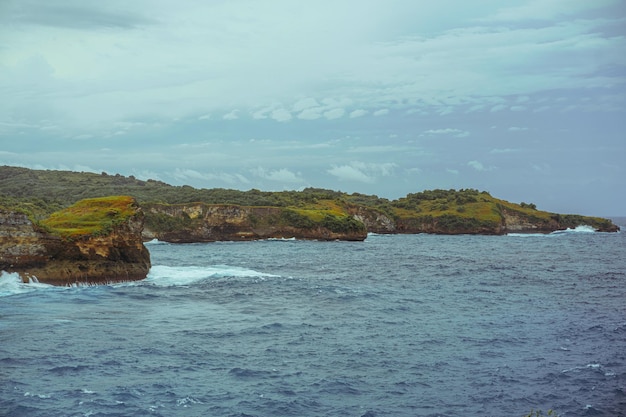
pixel 199 222
pixel 115 253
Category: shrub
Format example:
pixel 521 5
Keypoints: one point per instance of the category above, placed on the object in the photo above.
pixel 95 217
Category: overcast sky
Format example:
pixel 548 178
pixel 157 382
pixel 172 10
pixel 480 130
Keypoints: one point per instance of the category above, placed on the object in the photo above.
pixel 525 99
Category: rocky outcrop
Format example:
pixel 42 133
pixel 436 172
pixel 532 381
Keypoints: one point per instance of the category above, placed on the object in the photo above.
pixel 374 220
pixel 506 221
pixel 199 222
pixel 515 222
pixel 33 252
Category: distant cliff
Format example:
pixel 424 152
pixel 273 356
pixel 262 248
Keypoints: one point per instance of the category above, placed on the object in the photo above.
pixel 94 241
pixel 199 222
pixel 187 214
pixel 469 212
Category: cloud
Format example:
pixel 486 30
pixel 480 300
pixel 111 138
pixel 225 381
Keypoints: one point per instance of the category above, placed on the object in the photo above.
pixel 231 116
pixel 478 166
pixel 448 131
pixel 334 114
pixel 305 103
pixel 186 174
pixel 281 115
pixel 279 175
pixel 78 15
pixel 118 74
pixel 358 113
pixel 350 173
pixel 310 113
pixel 308 83
pixel 546 9
pixel 363 171
pixel 506 150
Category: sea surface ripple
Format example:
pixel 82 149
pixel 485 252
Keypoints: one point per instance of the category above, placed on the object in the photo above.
pixel 398 325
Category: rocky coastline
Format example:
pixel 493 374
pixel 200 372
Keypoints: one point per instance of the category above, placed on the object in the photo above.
pixel 48 257
pixel 46 234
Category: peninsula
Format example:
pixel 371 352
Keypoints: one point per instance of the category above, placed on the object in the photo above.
pixel 65 227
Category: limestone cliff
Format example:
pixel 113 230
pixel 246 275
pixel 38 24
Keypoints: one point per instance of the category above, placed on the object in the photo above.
pixel 199 222
pixel 67 254
pixel 488 218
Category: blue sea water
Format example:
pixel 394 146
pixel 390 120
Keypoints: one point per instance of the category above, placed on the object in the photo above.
pixel 397 325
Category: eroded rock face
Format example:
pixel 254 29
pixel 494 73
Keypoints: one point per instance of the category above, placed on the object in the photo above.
pixel 514 223
pixel 375 221
pixel 31 252
pixel 197 222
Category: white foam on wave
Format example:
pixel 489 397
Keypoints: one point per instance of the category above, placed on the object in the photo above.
pixel 526 234
pixel 42 396
pixel 155 242
pixel 11 283
pixel 583 228
pixel 167 276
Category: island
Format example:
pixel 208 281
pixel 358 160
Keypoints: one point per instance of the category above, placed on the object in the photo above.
pixel 66 227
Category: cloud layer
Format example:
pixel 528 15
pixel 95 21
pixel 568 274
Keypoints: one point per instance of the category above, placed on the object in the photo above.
pixel 381 97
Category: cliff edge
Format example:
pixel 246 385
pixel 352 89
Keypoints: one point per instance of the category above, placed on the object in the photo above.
pixel 200 222
pixel 94 241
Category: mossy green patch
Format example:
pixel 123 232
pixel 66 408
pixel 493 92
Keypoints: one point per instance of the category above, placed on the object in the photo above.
pixel 94 217
pixel 329 214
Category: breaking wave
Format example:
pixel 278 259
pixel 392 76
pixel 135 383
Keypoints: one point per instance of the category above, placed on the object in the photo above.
pixel 11 283
pixel 159 275
pixel 578 229
pixel 155 242
pixel 168 276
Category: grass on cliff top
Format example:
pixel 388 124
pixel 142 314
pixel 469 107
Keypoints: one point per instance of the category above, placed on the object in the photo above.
pixel 320 209
pixel 467 204
pixel 94 217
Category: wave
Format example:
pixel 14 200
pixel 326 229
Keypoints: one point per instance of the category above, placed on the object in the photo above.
pixel 583 228
pixel 159 275
pixel 167 276
pixel 11 283
pixel 155 242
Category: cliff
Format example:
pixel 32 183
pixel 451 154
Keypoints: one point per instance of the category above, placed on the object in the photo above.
pixel 94 241
pixel 469 212
pixel 187 214
pixel 200 222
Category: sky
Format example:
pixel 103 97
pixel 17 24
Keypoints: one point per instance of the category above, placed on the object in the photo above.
pixel 525 99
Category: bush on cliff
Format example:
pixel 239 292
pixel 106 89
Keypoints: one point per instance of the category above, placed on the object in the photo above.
pixel 43 192
pixel 90 217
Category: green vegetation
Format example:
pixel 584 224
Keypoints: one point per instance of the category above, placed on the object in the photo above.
pixel 330 214
pixel 165 223
pixel 450 210
pixel 91 217
pixel 40 193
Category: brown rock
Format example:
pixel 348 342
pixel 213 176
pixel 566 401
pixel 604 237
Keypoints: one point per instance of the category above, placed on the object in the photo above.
pixel 33 252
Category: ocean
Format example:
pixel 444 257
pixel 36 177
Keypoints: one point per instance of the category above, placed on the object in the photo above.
pixel 397 325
